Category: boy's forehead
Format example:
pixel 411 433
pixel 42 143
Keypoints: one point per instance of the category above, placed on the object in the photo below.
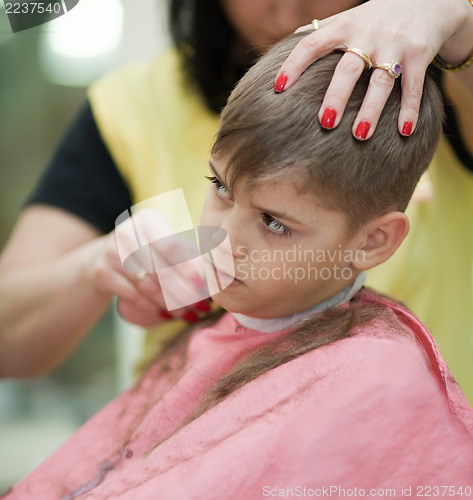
pixel 218 165
pixel 251 177
pixel 291 181
pixel 285 193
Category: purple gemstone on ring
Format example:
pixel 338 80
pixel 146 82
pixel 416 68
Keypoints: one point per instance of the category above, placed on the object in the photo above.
pixel 396 69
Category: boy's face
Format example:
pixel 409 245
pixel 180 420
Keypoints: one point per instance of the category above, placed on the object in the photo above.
pixel 289 254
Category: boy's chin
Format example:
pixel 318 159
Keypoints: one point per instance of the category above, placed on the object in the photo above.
pixel 223 301
pixel 233 305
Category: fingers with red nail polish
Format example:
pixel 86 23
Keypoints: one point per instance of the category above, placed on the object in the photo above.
pixel 362 130
pixel 328 118
pixel 203 306
pixel 280 82
pixel 407 128
pixel 198 281
pixel 164 315
pixel 190 317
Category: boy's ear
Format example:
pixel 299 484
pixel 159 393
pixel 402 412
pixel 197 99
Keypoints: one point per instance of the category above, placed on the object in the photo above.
pixel 379 239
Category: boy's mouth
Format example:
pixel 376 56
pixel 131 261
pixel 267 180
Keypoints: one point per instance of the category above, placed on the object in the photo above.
pixel 224 278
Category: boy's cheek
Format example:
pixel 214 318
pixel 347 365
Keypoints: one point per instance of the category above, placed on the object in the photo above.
pixel 207 210
pixel 207 217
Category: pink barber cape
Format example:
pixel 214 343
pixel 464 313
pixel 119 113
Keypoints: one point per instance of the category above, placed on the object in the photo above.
pixel 375 412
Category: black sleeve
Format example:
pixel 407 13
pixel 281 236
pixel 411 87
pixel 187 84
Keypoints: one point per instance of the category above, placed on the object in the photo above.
pixel 452 133
pixel 450 127
pixel 82 177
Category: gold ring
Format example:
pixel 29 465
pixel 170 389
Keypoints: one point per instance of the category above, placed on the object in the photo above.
pixel 361 54
pixel 315 24
pixel 394 69
pixel 139 276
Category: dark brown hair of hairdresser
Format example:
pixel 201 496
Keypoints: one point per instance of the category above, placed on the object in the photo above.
pixel 205 41
pixel 264 135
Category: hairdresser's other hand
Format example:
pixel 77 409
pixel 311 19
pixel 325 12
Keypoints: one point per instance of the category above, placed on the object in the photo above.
pixel 410 32
pixel 125 269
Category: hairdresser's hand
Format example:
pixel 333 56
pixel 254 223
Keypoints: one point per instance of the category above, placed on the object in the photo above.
pixel 410 32
pixel 124 268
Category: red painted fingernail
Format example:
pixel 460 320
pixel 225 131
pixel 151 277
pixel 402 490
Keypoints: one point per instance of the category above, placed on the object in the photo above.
pixel 190 317
pixel 203 306
pixel 164 314
pixel 362 130
pixel 407 128
pixel 198 281
pixel 280 82
pixel 328 118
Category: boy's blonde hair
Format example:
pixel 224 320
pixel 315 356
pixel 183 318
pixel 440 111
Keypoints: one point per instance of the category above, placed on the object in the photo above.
pixel 264 135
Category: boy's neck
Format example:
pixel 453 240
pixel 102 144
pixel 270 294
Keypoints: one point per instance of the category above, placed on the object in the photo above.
pixel 269 325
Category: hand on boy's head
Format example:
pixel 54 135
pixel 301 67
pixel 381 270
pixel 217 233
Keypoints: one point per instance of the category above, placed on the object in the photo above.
pixel 383 31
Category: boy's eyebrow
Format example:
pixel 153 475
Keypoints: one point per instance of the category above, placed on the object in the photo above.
pixel 212 168
pixel 275 213
pixel 279 215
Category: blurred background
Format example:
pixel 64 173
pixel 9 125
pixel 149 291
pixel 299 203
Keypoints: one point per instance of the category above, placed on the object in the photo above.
pixel 44 73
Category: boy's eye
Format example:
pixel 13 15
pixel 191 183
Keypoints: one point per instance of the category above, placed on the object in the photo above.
pixel 275 227
pixel 221 189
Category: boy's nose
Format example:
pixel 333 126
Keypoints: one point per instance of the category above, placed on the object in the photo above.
pixel 233 245
pixel 236 230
